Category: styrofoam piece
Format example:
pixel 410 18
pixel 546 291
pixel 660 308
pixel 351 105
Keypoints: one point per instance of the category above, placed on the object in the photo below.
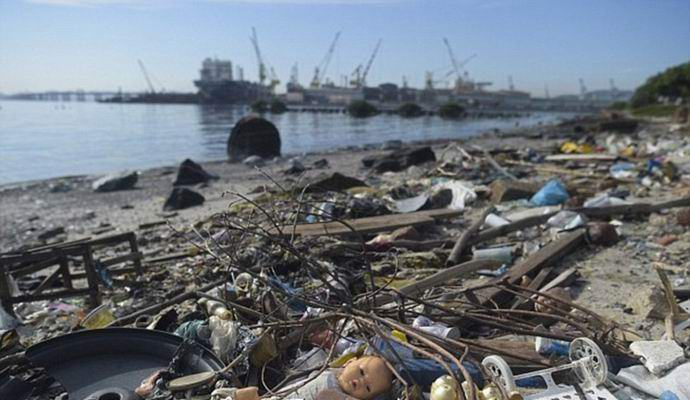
pixel 658 355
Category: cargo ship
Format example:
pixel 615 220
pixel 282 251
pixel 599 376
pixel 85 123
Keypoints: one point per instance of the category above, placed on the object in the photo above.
pixel 216 84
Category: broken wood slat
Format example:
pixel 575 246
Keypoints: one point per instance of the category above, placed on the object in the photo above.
pixel 66 277
pixel 461 245
pixel 47 281
pixel 534 285
pixel 366 225
pixel 112 239
pixel 170 257
pixel 441 277
pixel 563 279
pixel 50 296
pixel 23 259
pixel 56 245
pixel 593 212
pixel 121 259
pixel 148 225
pixel 112 272
pixel 545 257
pixel 91 276
pixel 675 203
pixel 582 157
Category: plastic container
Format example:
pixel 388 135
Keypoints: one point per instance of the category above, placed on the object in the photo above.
pixel 502 254
pixel 99 317
pixel 547 346
pixel 437 329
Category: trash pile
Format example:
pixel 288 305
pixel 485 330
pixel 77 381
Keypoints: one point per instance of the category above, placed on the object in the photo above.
pixel 442 274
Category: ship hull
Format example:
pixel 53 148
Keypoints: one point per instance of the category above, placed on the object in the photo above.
pixel 230 91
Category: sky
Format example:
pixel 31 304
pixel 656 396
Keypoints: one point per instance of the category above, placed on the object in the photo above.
pixel 95 44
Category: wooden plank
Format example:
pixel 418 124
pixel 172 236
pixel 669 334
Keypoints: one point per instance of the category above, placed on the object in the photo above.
pixel 366 225
pixel 112 272
pixel 461 245
pixel 563 278
pixel 534 285
pixel 594 157
pixel 444 276
pixel 121 259
pixel 593 212
pixel 91 277
pixel 112 239
pixel 135 250
pixel 547 256
pixel 47 282
pixel 49 295
pixel 64 270
pixel 170 257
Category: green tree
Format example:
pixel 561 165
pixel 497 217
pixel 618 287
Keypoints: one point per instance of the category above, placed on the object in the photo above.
pixel 673 83
pixel 451 110
pixel 410 110
pixel 361 109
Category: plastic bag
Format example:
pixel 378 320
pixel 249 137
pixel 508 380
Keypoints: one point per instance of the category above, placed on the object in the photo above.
pixel 551 194
pixel 223 336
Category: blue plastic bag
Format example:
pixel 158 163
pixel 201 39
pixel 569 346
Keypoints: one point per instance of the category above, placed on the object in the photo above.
pixel 551 194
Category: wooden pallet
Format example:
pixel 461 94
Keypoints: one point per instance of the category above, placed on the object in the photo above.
pixel 58 262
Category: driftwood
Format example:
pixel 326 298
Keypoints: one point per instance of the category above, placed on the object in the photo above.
pixel 464 239
pixel 444 276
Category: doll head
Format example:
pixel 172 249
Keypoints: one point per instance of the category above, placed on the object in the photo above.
pixel 365 378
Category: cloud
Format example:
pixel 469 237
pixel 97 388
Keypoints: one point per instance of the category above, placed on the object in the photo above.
pixel 95 3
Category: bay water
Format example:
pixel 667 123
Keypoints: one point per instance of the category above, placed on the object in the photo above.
pixel 40 140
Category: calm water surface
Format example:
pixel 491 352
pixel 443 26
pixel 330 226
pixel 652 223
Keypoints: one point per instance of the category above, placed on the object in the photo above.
pixel 41 140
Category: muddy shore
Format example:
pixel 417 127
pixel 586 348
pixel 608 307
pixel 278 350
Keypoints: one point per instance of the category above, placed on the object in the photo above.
pixel 610 277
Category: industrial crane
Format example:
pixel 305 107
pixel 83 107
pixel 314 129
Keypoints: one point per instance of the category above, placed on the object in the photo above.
pixel 583 89
pixel 360 76
pixel 262 65
pixel 320 70
pixel 462 66
pixel 152 90
pixel 458 66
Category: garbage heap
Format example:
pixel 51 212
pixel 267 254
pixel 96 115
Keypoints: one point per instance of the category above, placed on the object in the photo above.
pixel 440 273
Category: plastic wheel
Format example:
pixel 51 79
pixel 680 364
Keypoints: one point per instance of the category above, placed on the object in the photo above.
pixel 500 371
pixel 583 347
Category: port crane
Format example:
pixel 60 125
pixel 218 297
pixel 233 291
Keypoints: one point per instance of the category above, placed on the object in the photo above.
pixel 264 71
pixel 144 72
pixel 320 70
pixel 583 89
pixel 360 76
pixel 461 80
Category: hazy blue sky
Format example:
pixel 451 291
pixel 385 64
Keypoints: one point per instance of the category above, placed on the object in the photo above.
pixel 95 44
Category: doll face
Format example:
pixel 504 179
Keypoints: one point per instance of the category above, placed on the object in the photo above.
pixel 365 378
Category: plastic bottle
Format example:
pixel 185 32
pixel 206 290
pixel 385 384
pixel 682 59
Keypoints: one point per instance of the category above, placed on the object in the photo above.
pixel 548 346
